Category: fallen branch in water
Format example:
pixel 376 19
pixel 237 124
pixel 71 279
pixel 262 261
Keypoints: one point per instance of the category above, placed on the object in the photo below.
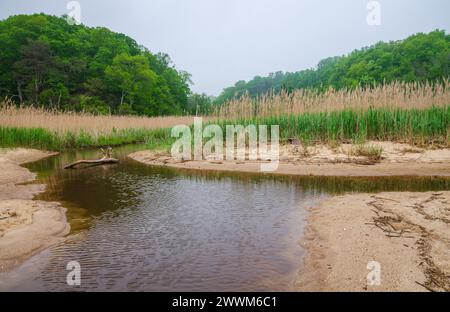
pixel 103 161
pixel 106 160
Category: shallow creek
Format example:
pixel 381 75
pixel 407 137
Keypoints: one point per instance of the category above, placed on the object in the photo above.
pixel 141 228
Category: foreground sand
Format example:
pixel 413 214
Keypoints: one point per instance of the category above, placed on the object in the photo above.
pixel 408 234
pixel 397 160
pixel 26 226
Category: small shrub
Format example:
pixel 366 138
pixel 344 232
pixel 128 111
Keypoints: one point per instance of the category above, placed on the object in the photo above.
pixel 371 151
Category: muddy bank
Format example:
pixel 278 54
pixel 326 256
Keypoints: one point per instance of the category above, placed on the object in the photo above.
pixel 408 234
pixel 26 226
pixel 396 160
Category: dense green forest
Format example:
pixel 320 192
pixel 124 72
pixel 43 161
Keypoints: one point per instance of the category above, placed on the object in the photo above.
pixel 44 61
pixel 47 62
pixel 421 57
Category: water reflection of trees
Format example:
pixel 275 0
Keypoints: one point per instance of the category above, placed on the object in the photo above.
pixel 332 185
pixel 111 187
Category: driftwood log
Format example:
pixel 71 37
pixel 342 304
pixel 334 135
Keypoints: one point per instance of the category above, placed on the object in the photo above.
pixel 105 160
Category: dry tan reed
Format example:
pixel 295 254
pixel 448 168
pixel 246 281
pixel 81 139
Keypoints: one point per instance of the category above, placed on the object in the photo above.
pixel 62 122
pixel 396 95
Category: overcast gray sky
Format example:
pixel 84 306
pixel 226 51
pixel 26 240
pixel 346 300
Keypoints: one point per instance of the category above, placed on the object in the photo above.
pixel 221 42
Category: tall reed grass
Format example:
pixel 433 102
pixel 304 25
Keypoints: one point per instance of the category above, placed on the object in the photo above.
pixel 417 126
pixel 409 112
pixel 398 95
pixel 50 129
pixel 62 122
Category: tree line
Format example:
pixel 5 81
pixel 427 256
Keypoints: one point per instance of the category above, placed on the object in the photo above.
pixel 421 57
pixel 47 62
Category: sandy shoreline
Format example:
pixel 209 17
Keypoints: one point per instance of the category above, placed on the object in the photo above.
pixel 26 226
pixel 408 234
pixel 397 160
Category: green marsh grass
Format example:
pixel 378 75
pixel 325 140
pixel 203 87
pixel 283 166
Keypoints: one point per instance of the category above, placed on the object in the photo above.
pixel 415 126
pixel 28 126
pixel 371 151
pixel 51 140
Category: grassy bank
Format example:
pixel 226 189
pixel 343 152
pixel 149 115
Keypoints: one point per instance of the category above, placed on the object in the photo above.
pixel 41 138
pixel 35 128
pixel 416 126
pixel 54 130
pixel 417 113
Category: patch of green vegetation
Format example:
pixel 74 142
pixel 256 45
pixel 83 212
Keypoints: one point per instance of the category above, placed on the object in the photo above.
pixel 415 126
pixel 160 140
pixel 420 127
pixel 45 139
pixel 371 151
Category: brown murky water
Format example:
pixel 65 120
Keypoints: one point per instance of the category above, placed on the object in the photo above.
pixel 141 228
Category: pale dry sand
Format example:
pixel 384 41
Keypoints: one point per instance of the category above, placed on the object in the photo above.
pixel 397 160
pixel 408 234
pixel 26 226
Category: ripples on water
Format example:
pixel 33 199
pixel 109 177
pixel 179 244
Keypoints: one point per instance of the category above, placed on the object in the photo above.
pixel 139 228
